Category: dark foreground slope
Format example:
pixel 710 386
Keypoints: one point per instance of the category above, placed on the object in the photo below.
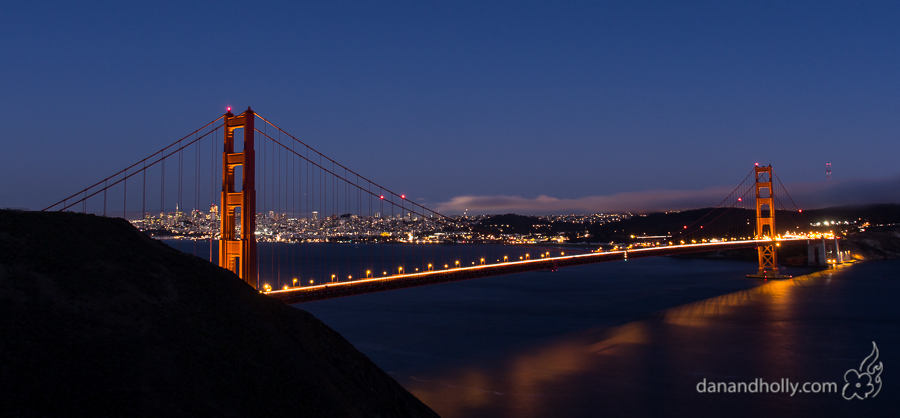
pixel 96 319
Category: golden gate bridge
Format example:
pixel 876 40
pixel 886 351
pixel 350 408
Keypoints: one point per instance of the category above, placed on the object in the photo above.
pixel 266 185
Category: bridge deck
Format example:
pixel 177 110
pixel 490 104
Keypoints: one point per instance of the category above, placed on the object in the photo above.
pixel 356 287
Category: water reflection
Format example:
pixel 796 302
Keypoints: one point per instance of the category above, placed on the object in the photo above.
pixel 774 293
pixel 645 367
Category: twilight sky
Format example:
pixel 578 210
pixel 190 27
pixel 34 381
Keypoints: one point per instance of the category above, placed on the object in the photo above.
pixel 529 107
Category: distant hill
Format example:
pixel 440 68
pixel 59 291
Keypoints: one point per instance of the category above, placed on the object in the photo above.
pixel 736 223
pixel 515 224
pixel 97 319
pixel 686 225
pixel 875 214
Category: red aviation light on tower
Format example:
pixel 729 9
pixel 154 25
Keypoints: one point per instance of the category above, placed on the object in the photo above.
pixel 403 196
pixel 382 197
pixel 757 164
pixel 228 109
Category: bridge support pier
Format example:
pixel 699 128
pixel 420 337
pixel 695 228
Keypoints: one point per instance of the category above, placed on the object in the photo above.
pixel 819 253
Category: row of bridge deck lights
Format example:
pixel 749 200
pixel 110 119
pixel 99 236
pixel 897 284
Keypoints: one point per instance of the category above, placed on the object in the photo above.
pixel 268 288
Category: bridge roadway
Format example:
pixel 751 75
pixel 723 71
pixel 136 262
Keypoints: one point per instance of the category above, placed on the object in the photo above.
pixel 399 281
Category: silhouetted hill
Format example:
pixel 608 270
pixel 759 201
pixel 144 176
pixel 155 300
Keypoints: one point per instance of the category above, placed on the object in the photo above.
pixel 686 224
pixel 97 319
pixel 735 223
pixel 515 224
pixel 887 213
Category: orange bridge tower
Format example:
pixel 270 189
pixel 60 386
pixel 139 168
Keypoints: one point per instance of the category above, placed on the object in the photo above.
pixel 765 223
pixel 237 245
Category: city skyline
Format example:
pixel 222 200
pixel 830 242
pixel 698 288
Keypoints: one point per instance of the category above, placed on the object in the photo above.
pixel 494 108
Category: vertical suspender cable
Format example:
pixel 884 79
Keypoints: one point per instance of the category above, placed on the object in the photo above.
pixel 144 196
pixel 179 204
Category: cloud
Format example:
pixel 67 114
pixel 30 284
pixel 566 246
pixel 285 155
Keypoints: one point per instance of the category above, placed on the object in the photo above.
pixel 806 196
pixel 845 192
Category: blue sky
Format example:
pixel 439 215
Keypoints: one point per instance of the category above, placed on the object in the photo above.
pixel 455 103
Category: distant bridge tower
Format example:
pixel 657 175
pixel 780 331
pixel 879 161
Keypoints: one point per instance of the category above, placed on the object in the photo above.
pixel 238 254
pixel 765 222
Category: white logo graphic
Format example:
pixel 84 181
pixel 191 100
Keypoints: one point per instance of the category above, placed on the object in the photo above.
pixel 865 382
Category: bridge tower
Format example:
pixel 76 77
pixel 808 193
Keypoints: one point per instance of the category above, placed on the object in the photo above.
pixel 765 223
pixel 238 252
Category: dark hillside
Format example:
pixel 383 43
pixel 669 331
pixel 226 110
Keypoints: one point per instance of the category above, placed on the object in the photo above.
pixel 515 224
pixel 885 213
pixel 97 319
pixel 736 223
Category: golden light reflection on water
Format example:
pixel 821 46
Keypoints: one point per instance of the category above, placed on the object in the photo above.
pixel 526 384
pixel 519 388
pixel 621 338
pixel 776 294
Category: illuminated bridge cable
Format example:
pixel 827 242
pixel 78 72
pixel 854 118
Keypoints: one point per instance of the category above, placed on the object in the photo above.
pixel 720 203
pixel 388 192
pixel 85 190
pixel 726 210
pixel 736 200
pixel 86 196
pixel 323 189
pixel 790 198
